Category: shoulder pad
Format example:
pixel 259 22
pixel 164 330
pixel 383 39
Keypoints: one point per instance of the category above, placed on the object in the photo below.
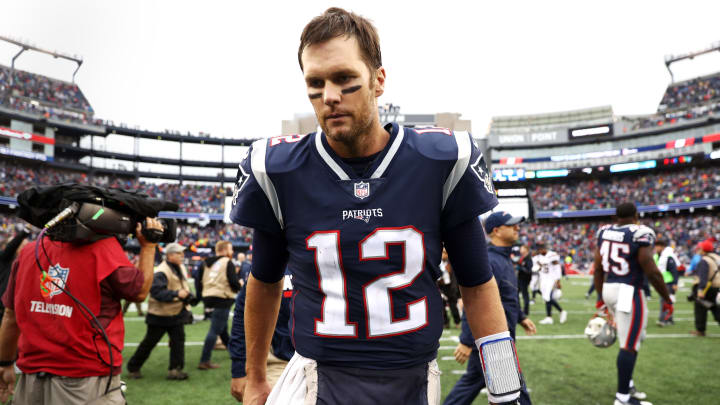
pixel 283 153
pixel 440 143
pixel 642 232
pixel 604 227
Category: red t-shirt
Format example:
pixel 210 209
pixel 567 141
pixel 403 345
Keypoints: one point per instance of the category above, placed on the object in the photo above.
pixel 55 336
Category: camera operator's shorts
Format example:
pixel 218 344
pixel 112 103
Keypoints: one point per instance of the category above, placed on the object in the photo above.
pixel 43 388
pixel 306 382
pixel 629 308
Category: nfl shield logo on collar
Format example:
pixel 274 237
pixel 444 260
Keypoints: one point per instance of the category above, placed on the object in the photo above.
pixel 362 190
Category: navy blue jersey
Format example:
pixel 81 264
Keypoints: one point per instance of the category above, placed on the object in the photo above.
pixel 619 246
pixel 363 251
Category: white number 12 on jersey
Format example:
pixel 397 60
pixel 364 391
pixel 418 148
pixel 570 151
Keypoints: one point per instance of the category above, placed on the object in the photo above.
pixel 376 293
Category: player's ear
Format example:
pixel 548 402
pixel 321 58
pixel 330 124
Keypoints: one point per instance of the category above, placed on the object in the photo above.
pixel 379 78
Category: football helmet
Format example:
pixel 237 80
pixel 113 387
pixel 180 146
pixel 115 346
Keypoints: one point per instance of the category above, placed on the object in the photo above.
pixel 600 332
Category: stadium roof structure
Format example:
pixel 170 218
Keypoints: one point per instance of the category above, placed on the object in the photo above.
pixel 670 59
pixel 554 119
pixel 29 47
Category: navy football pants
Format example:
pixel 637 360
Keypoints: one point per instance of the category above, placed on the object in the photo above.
pixel 468 387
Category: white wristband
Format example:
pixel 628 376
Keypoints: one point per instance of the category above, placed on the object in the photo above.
pixel 500 367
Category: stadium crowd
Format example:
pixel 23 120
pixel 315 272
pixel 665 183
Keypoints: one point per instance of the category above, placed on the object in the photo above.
pixel 648 189
pixel 577 239
pixel 192 198
pixel 44 89
pixel 692 92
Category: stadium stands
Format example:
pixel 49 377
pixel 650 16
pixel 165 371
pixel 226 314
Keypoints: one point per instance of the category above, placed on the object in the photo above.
pixel 579 237
pixel 33 93
pixel 682 95
pixel 15 178
pixel 646 189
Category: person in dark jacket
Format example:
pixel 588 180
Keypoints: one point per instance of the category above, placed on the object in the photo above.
pixel 7 255
pixel 707 287
pixel 450 291
pixel 217 283
pixel 523 266
pixel 503 231
pixel 168 312
pixel 281 343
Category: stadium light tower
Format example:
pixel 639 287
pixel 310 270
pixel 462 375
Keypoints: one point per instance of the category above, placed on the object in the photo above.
pixel 28 47
pixel 670 59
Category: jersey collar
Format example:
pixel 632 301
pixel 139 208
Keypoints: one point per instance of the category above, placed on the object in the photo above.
pixel 345 172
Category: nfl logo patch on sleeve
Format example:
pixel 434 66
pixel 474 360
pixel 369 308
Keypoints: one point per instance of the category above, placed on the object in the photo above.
pixel 362 190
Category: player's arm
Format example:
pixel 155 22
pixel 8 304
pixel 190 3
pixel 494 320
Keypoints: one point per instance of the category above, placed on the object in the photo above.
pixel 599 274
pixel 467 249
pixel 9 335
pixel 262 303
pixel 647 263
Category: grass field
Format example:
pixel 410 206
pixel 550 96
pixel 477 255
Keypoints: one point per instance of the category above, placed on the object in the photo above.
pixel 561 367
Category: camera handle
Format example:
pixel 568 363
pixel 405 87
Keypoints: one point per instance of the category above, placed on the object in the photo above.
pixel 151 235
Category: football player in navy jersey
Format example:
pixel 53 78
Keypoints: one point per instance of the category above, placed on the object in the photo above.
pixel 624 253
pixel 359 213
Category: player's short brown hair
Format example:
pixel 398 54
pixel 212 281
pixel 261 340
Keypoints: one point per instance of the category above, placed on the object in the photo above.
pixel 221 245
pixel 337 22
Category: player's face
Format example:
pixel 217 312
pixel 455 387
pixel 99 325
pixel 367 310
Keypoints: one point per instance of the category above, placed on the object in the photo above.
pixel 341 88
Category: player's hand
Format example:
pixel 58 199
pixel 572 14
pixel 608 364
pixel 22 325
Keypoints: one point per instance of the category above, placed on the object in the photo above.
pixel 610 318
pixel 256 392
pixel 668 308
pixel 237 387
pixel 529 326
pixel 462 353
pixel 7 382
pixel 182 294
pixel 150 223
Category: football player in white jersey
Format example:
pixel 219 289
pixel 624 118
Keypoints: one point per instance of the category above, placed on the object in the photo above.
pixel 550 275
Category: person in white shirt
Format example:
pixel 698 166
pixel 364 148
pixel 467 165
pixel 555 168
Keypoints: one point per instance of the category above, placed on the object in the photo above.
pixel 550 275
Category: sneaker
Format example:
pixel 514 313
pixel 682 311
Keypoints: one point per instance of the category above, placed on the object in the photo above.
pixel 661 323
pixel 207 366
pixel 563 316
pixel 546 321
pixel 134 375
pixel 697 333
pixel 220 346
pixel 631 401
pixel 637 394
pixel 176 374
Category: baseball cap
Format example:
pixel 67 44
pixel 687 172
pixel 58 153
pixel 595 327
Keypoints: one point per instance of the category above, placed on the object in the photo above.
pixel 174 248
pixel 705 245
pixel 500 218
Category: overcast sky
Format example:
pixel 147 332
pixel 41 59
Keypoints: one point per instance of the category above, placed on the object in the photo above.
pixel 230 68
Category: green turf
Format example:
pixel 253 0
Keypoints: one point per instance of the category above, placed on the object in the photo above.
pixel 558 371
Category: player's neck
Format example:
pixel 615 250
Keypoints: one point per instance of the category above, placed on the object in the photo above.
pixel 363 145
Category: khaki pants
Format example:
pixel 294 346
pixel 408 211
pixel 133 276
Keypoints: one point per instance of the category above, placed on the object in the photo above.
pixel 33 390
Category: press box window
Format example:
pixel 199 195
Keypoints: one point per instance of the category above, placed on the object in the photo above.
pixel 38 148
